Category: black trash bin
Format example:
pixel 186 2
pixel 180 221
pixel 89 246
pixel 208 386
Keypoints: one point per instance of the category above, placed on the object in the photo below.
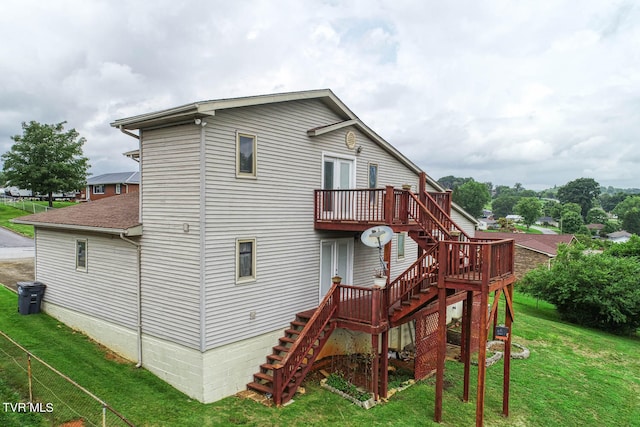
pixel 30 297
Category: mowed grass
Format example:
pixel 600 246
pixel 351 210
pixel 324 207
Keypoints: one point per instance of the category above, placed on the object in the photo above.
pixel 7 213
pixel 574 377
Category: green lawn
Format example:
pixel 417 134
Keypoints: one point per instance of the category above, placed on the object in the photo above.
pixel 7 213
pixel 574 377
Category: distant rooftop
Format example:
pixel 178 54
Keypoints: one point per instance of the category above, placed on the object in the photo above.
pixel 115 178
pixel 544 243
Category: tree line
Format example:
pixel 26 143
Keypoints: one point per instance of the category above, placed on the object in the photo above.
pixel 575 204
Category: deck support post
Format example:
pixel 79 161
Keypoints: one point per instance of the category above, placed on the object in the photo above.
pixel 482 337
pixel 442 351
pixel 442 331
pixel 465 349
pixel 508 294
pixel 384 365
pixel 375 351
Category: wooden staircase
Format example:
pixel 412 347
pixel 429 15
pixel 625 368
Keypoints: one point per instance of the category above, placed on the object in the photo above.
pixel 263 381
pixel 290 360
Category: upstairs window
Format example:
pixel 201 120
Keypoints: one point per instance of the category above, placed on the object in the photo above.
pixel 98 189
pixel 246 149
pixel 400 245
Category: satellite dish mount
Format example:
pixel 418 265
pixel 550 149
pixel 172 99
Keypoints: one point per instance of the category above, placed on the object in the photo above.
pixel 378 237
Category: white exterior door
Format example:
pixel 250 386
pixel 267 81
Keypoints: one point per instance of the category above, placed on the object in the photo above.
pixel 338 174
pixel 336 259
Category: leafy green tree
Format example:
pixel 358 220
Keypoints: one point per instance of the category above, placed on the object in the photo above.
pixel 609 227
pixel 631 221
pixel 556 211
pixel 45 159
pixel 598 291
pixel 472 196
pixel 503 190
pixel 571 207
pixel 452 182
pixel 503 205
pixel 530 209
pixel 596 216
pixel 626 205
pixel 610 201
pixel 582 191
pixel 571 222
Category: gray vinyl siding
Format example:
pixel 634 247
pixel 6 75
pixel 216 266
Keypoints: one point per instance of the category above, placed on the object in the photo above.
pixel 463 222
pixel 170 256
pixel 107 290
pixel 277 210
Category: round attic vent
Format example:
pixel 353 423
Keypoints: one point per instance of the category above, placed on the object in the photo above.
pixel 350 140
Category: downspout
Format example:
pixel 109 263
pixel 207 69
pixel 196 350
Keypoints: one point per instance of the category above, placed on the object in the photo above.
pixel 138 299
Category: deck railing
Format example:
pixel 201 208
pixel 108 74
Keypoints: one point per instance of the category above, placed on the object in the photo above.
pixel 284 373
pixel 350 205
pixel 470 261
pixel 412 279
pixel 360 304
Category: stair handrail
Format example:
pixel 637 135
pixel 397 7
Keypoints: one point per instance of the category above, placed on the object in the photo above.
pixel 440 218
pixel 394 294
pixel 284 371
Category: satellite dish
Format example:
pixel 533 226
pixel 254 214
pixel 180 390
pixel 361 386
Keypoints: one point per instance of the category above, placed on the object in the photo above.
pixel 377 237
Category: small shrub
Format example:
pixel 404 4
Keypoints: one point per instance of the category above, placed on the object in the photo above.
pixel 339 382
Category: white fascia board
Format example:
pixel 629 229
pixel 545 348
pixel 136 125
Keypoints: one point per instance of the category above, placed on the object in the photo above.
pixel 331 128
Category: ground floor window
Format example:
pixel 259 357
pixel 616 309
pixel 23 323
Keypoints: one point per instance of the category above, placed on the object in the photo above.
pixel 81 255
pixel 245 260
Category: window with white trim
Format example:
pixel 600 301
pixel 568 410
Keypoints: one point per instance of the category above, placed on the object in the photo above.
pixel 246 152
pixel 245 260
pixel 98 189
pixel 402 237
pixel 81 254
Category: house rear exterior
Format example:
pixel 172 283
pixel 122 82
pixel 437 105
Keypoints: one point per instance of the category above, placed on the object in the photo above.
pixel 224 251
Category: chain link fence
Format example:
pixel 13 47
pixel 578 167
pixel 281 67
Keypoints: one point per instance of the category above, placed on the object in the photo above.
pixel 49 394
pixel 25 205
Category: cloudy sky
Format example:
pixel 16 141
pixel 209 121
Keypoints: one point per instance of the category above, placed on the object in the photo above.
pixel 536 92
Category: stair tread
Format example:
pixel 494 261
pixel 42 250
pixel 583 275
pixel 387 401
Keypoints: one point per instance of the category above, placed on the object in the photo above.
pixel 281 348
pixel 263 376
pixel 275 357
pixel 287 339
pixel 260 387
pixel 292 331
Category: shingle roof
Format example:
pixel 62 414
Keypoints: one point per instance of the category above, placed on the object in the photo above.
pixel 115 178
pixel 546 243
pixel 117 214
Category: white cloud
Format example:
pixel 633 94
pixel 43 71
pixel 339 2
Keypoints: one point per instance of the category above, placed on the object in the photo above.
pixel 533 92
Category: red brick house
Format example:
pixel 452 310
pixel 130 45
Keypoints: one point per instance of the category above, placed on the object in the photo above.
pixel 531 250
pixel 110 184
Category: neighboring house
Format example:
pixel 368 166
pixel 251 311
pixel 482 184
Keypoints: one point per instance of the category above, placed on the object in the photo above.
pixel 487 224
pixel 532 250
pixel 514 218
pixel 110 184
pixel 247 210
pixel 619 236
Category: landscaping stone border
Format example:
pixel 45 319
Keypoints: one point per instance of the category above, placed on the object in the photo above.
pixel 367 404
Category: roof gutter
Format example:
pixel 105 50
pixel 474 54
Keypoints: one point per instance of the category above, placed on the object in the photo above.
pixel 132 231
